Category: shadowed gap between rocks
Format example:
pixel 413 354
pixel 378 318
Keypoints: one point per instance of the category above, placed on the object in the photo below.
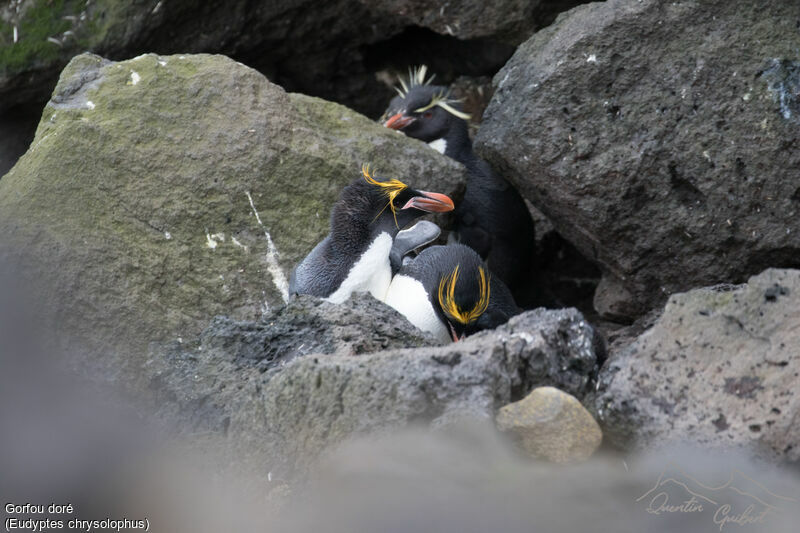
pixel 447 57
pixel 17 127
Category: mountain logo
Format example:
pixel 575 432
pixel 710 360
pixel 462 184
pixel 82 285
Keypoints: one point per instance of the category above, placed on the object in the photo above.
pixel 740 500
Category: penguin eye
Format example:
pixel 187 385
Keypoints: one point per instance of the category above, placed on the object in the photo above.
pixel 427 114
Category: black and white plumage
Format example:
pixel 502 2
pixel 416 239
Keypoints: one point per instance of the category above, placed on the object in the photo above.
pixel 354 257
pixel 449 292
pixel 492 218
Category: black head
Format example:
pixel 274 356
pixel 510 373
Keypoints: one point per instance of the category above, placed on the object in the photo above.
pixel 462 296
pixel 370 205
pixel 425 112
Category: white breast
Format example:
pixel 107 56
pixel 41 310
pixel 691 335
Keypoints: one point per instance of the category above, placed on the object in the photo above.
pixel 440 145
pixel 371 273
pixel 410 298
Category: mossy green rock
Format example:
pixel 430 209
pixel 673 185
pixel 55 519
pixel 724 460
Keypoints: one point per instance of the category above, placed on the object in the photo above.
pixel 38 37
pixel 161 191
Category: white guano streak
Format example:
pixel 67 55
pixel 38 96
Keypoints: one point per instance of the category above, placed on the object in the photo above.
pixel 274 268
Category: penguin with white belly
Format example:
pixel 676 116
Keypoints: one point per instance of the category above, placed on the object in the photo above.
pixel 449 292
pixel 354 257
pixel 492 218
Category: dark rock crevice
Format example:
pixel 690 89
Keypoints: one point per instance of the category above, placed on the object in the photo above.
pixel 17 128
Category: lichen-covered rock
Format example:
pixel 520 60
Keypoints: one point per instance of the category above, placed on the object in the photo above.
pixel 720 367
pixel 660 138
pixel 162 191
pixel 551 424
pixel 293 403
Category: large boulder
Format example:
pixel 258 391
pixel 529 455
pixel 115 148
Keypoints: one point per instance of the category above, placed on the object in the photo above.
pixel 720 368
pixel 278 390
pixel 162 191
pixel 660 138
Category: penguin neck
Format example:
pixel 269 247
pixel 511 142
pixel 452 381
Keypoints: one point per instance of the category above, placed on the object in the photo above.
pixel 455 144
pixel 354 229
pixel 458 146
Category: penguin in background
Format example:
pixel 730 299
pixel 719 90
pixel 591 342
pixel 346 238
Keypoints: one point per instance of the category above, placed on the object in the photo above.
pixel 492 219
pixel 354 257
pixel 450 292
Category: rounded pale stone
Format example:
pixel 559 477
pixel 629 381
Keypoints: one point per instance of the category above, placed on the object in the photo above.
pixel 551 425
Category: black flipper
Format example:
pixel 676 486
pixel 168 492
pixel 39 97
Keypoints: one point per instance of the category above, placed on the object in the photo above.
pixel 408 240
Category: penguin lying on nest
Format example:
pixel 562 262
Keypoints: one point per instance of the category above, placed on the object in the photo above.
pixel 492 219
pixel 449 292
pixel 354 257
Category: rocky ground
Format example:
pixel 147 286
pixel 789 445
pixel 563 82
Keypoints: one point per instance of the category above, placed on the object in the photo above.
pixel 158 210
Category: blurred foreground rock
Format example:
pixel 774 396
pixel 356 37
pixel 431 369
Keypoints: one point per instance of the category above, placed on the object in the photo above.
pixel 77 444
pixel 469 481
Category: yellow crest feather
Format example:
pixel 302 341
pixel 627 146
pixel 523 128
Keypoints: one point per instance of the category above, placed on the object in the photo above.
pixel 390 188
pixel 447 290
pixel 416 76
pixel 444 101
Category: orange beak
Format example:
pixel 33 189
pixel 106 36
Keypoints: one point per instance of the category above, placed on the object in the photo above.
pixel 431 202
pixel 454 335
pixel 398 121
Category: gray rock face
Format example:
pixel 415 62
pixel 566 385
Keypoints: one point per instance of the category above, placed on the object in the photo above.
pixel 720 367
pixel 293 402
pixel 312 326
pixel 162 191
pixel 660 138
